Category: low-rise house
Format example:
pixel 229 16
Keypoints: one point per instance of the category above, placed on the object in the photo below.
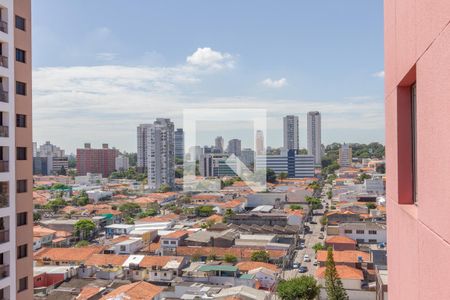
pixel 246 266
pixel 354 208
pixel 266 278
pixel 118 229
pixel 270 219
pixel 45 235
pixel 138 290
pixel 103 266
pixel 222 274
pixel 337 217
pixel 364 232
pixel 242 293
pixel 162 268
pixel 351 278
pixel 208 238
pixel 128 246
pixel 382 283
pixel 351 258
pixel 49 276
pixel 275 199
pixel 171 241
pixel 63 239
pixel 65 256
pixel 340 243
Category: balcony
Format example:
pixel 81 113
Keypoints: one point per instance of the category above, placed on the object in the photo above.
pixel 4 236
pixel 4 199
pixel 3 61
pixel 4 271
pixel 4 166
pixel 4 131
pixel 4 26
pixel 4 96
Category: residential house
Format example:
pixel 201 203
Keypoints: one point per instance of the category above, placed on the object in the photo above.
pixel 364 232
pixel 45 235
pixel 217 273
pixel 137 290
pixel 266 278
pixel 340 243
pixel 118 229
pixel 242 293
pixel 351 278
pixel 65 256
pixel 351 258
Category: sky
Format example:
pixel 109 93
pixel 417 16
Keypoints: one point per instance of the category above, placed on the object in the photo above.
pixel 102 67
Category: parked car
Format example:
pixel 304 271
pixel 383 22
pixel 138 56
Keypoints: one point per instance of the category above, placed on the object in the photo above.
pixel 303 269
pixel 313 222
pixel 321 236
pixel 295 265
pixel 315 263
pixel 322 228
pixel 306 258
pixel 302 245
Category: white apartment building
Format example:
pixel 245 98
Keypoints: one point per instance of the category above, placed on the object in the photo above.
pixel 290 133
pixel 364 232
pixel 122 163
pixel 259 143
pixel 160 154
pixel 142 147
pixel 345 155
pixel 314 136
pixel 294 165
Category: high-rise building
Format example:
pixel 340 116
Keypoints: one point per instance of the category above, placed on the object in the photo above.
pixel 122 163
pixel 314 136
pixel 218 165
pixel 16 151
pixel 248 157
pixel 234 147
pixel 161 154
pixel 289 162
pixel 345 156
pixel 50 159
pixel 259 147
pixel 141 162
pixel 219 144
pixel 102 161
pixel 290 133
pixel 417 87
pixel 179 143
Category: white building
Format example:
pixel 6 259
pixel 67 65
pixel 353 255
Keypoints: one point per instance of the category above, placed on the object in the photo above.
pixel 142 146
pixel 314 136
pixel 345 155
pixel 179 143
pixel 290 133
pixel 259 143
pixel 122 163
pixel 374 186
pixel 53 157
pixel 294 165
pixel 160 154
pixel 364 232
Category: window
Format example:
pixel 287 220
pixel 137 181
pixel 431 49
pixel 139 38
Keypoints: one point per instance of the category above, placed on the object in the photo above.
pixel 20 23
pixel 22 186
pixel 22 219
pixel 173 242
pixel 21 153
pixel 23 284
pixel 359 241
pixel 360 231
pixel 372 241
pixel 122 248
pixel 21 120
pixel 414 140
pixel 348 231
pixel 166 242
pixel 156 274
pixel 22 251
pixel 372 232
pixel 20 55
pixel 21 88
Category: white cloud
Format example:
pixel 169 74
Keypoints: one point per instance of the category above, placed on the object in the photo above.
pixel 379 74
pixel 208 58
pixel 268 82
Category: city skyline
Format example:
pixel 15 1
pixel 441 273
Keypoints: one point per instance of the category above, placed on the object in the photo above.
pixel 111 73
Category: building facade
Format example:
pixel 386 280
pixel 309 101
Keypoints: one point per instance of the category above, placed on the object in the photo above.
pixel 345 155
pixel 101 161
pixel 179 143
pixel 234 147
pixel 218 165
pixel 16 151
pixel 289 162
pixel 248 157
pixel 122 163
pixel 259 143
pixel 314 136
pixel 417 85
pixel 161 154
pixel 219 144
pixel 290 133
pixel 141 162
pixel 49 159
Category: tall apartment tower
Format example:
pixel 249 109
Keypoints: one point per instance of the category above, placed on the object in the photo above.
pixel 314 136
pixel 142 147
pixel 219 144
pixel 259 147
pixel 345 155
pixel 16 151
pixel 290 132
pixel 179 143
pixel 161 154
pixel 234 147
pixel 417 88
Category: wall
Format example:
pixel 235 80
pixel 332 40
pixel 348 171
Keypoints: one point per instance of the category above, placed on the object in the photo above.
pixel 417 33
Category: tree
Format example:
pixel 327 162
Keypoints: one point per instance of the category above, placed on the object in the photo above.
pixel 204 211
pixel 130 209
pixel 317 247
pixel 260 255
pixel 230 258
pixel 334 287
pixel 381 169
pixel 62 171
pixel 83 228
pixel 82 244
pixel 371 205
pixel 313 202
pixel 179 172
pixel 164 188
pixel 362 177
pixel 295 207
pixel 323 220
pixel 271 176
pixel 36 216
pixel 212 256
pixel 298 288
pixel 129 220
pixel 82 199
pixel 148 213
pixel 56 204
pixel 228 213
pixel 303 151
pixel 282 176
pixel 329 195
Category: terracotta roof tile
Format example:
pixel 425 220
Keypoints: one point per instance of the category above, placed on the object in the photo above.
pixel 346 256
pixel 338 239
pixel 106 259
pixel 245 266
pixel 136 291
pixel 344 272
pixel 67 254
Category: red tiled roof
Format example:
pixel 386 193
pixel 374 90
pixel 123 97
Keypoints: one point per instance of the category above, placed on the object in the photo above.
pixel 346 256
pixel 106 259
pixel 338 239
pixel 245 266
pixel 67 254
pixel 344 272
pixel 240 253
pixel 134 291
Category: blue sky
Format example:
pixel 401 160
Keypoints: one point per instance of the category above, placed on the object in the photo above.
pixel 102 67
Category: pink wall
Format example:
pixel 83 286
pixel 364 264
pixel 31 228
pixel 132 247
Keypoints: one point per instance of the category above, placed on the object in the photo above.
pixel 417 33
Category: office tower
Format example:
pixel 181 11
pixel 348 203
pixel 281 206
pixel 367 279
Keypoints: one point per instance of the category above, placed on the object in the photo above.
pixel 314 136
pixel 218 165
pixel 141 163
pixel 122 163
pixel 417 72
pixel 234 147
pixel 102 161
pixel 179 143
pixel 289 162
pixel 50 160
pixel 290 133
pixel 219 144
pixel 248 157
pixel 16 151
pixel 259 147
pixel 345 156
pixel 161 154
